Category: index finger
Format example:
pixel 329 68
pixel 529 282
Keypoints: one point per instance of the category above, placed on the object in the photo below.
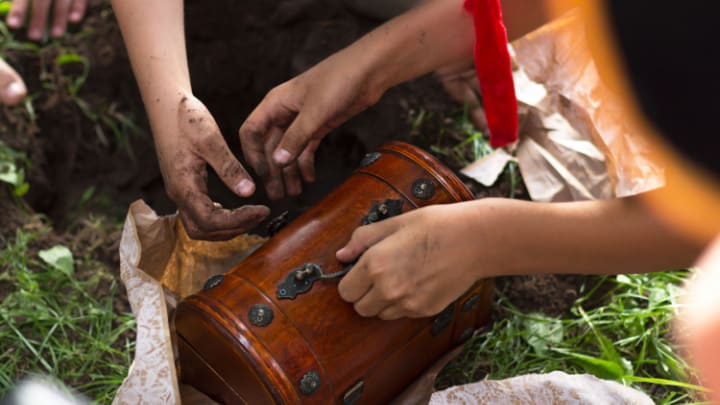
pixel 38 19
pixel 208 221
pixel 356 283
pixel 60 17
pixel 248 217
pixel 255 131
pixel 210 218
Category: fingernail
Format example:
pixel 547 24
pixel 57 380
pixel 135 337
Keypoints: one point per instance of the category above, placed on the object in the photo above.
pixel 57 32
pixel 281 156
pixel 75 16
pixel 245 187
pixel 14 21
pixel 35 35
pixel 14 91
pixel 340 252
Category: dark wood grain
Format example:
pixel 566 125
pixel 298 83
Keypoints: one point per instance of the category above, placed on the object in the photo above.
pixel 317 331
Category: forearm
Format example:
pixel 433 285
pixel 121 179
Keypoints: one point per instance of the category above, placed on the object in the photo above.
pixel 435 34
pixel 154 35
pixel 592 237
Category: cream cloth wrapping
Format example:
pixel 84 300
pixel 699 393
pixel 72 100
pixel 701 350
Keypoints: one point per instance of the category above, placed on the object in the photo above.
pixel 574 146
pixel 540 389
pixel 159 265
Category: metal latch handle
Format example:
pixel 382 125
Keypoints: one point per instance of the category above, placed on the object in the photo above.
pixel 300 280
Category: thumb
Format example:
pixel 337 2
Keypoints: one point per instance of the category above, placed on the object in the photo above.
pixel 310 123
pixel 12 88
pixel 363 238
pixel 197 124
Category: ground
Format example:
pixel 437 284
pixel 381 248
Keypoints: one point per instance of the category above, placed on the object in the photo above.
pixel 84 144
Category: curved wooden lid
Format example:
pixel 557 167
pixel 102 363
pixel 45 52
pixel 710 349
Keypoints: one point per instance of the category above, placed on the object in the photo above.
pixel 449 180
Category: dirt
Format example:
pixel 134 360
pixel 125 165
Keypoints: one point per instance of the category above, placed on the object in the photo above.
pixel 550 294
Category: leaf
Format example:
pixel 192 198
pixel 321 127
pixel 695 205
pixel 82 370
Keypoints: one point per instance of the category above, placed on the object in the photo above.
pixel 60 258
pixel 68 58
pixel 664 381
pixel 593 365
pixel 542 332
pixel 607 347
pixel 22 189
pixel 9 173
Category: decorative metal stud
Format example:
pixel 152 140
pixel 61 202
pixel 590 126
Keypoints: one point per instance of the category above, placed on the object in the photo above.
pixel 370 158
pixel 443 320
pixel 261 315
pixel 470 303
pixel 213 281
pixel 310 382
pixel 423 189
pixel 465 335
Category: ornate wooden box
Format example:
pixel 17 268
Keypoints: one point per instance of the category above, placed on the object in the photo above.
pixel 273 331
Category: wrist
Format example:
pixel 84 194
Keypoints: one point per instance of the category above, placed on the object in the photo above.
pixel 162 105
pixel 493 230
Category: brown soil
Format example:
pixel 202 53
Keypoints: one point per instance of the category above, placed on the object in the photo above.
pixel 550 294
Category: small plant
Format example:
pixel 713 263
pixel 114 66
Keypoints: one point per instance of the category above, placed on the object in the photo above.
pixel 11 170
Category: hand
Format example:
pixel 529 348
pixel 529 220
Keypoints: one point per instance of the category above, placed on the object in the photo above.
pixel 12 88
pixel 280 136
pixel 63 10
pixel 183 161
pixel 461 84
pixel 413 265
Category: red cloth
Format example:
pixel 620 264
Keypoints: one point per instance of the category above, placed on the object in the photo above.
pixel 494 71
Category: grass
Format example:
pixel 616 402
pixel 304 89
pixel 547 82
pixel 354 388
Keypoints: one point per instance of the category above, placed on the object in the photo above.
pixel 618 330
pixel 60 321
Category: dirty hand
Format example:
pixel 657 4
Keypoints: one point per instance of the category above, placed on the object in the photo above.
pixel 183 161
pixel 280 136
pixel 62 11
pixel 413 265
pixel 12 88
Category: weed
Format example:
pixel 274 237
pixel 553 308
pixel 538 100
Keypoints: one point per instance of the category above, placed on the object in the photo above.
pixel 618 330
pixel 11 169
pixel 60 321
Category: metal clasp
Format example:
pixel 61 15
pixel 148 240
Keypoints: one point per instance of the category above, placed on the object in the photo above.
pixel 300 280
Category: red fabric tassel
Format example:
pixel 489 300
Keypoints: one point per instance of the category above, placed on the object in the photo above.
pixel 494 71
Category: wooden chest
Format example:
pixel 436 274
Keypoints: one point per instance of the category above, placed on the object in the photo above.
pixel 271 331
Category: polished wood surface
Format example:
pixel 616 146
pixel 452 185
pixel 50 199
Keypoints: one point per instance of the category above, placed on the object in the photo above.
pixel 225 356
